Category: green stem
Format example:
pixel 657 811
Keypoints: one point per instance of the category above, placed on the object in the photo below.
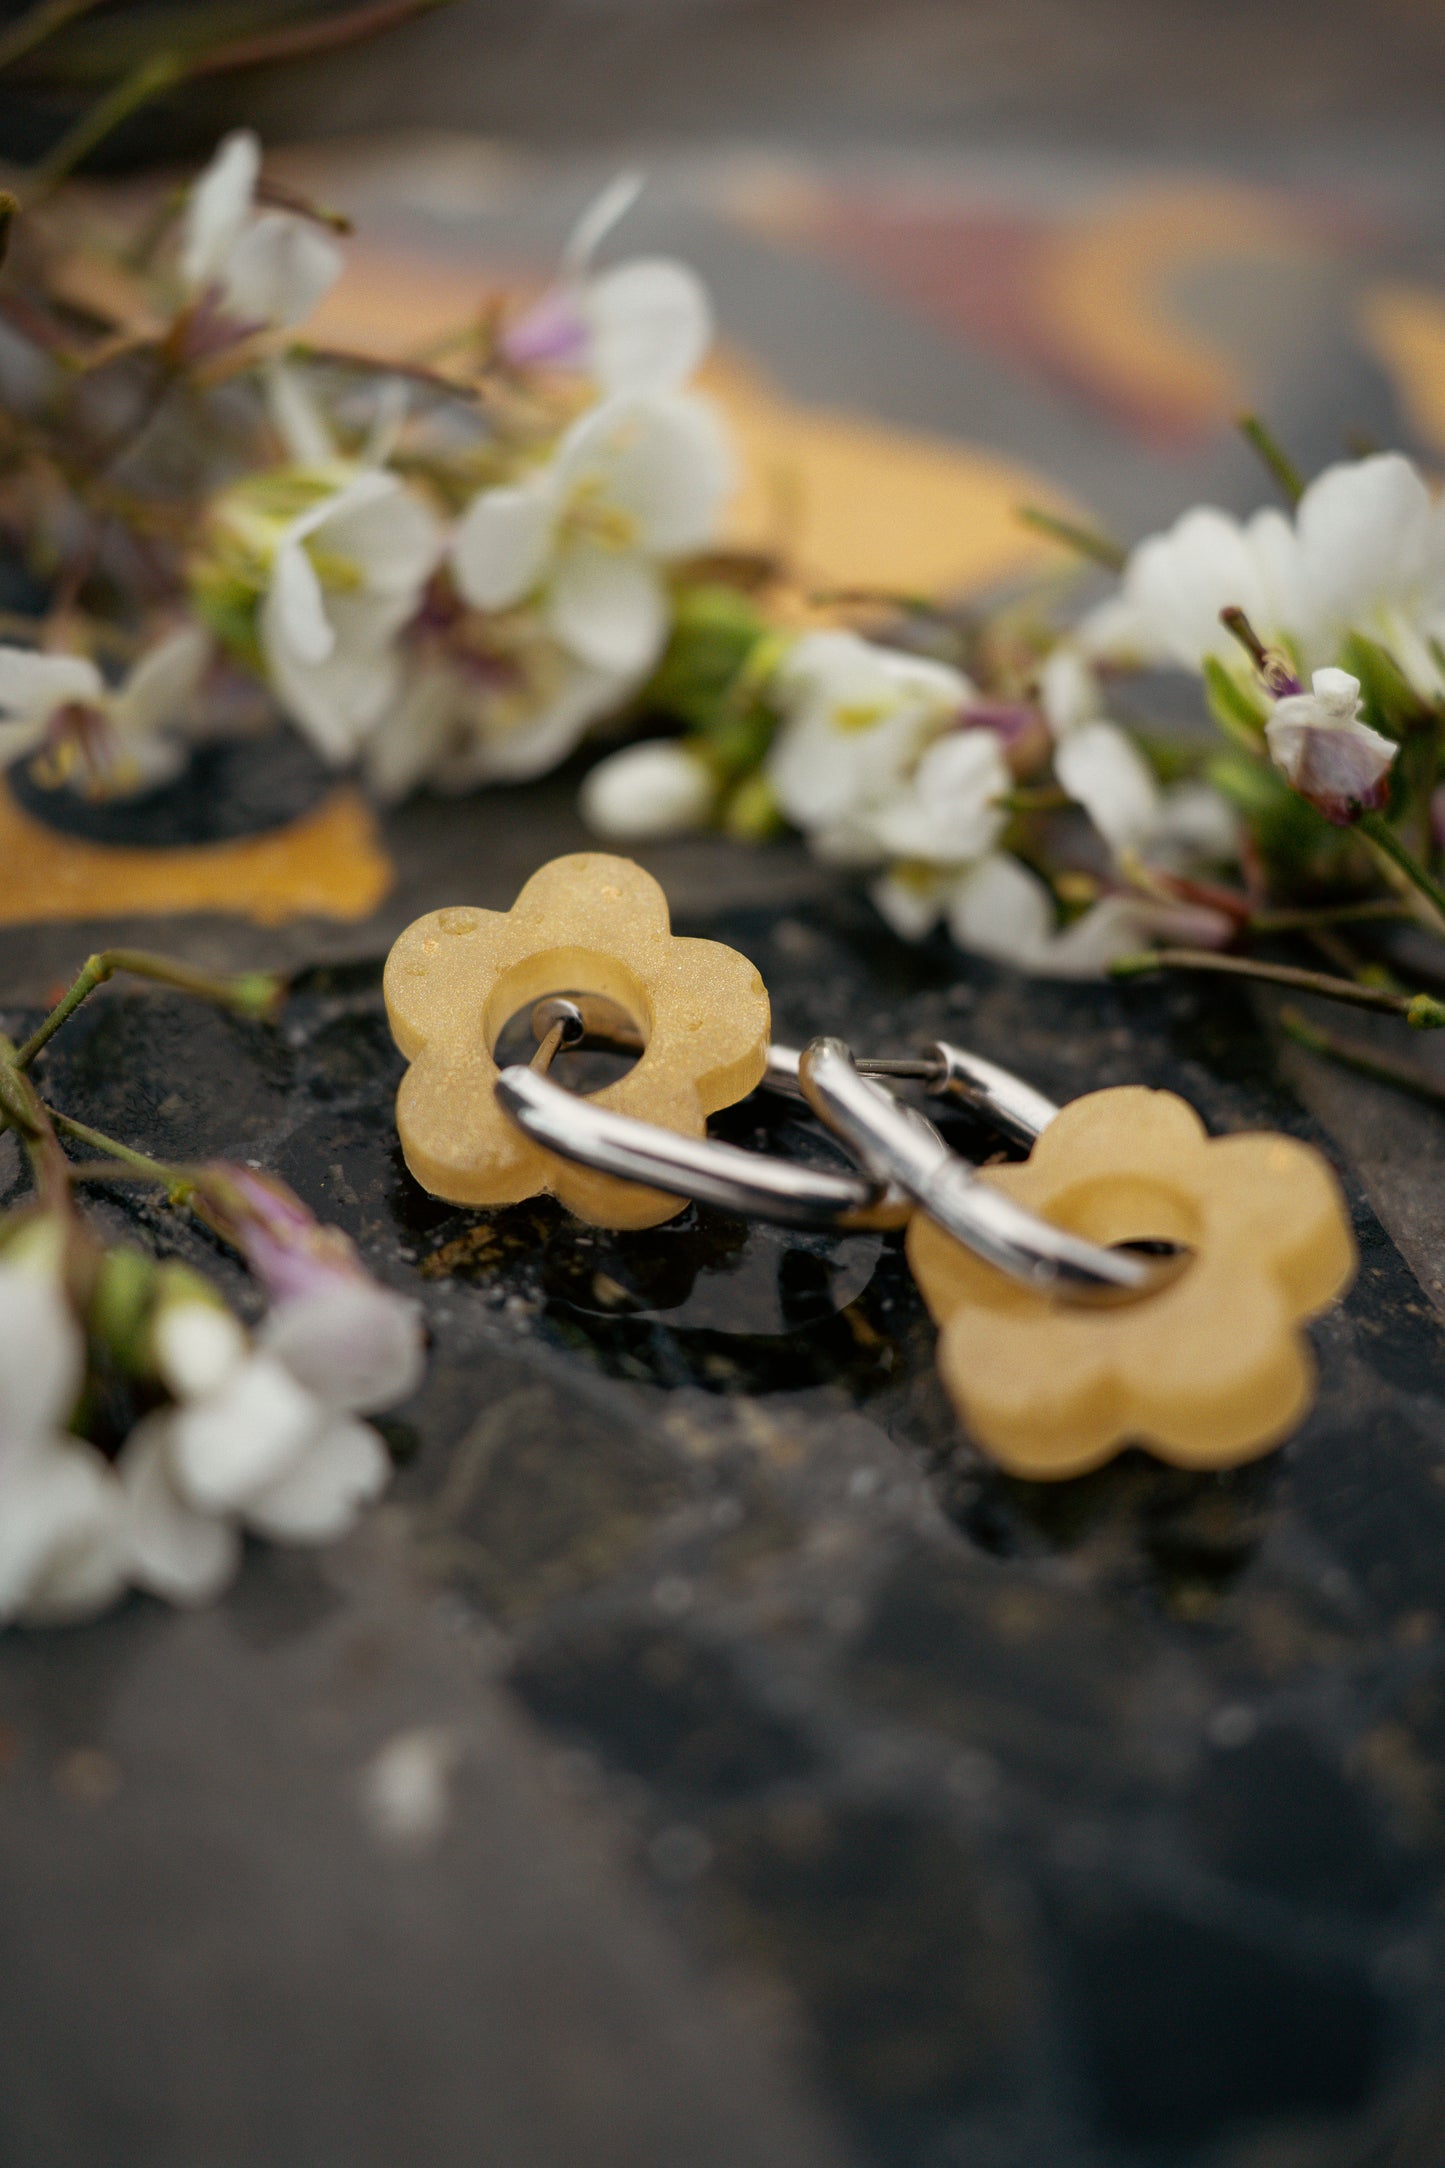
pixel 1384 838
pixel 149 79
pixel 1330 914
pixel 1420 1010
pixel 1406 1076
pixel 21 1110
pixel 1100 549
pixel 1286 474
pixel 253 993
pixel 178 1183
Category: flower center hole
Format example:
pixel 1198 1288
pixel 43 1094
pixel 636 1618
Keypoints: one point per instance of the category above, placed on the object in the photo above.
pixel 597 1039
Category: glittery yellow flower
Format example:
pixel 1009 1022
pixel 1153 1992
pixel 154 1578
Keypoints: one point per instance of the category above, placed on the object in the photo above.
pixel 584 924
pixel 1211 1370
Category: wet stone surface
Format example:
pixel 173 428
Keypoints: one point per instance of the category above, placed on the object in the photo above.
pixel 838 1797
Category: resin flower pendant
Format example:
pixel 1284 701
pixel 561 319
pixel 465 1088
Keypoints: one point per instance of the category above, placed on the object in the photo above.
pixel 592 924
pixel 1212 1369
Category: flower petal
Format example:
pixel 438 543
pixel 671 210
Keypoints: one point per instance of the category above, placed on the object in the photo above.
pixel 33 686
pixel 607 207
pixel 1100 767
pixel 218 207
pixel 662 463
pixel 320 1497
pixel 950 812
pixel 1003 911
pixel 174 1550
pixel 294 611
pixel 198 1345
pixel 650 323
pixel 296 416
pixel 354 1344
pixel 502 543
pixel 62 1549
pixel 278 270
pixel 250 1433
pixel 163 683
pixel 609 608
pixel 42 1353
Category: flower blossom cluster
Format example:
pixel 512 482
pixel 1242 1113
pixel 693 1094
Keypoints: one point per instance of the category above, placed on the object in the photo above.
pixel 258 1433
pixel 439 588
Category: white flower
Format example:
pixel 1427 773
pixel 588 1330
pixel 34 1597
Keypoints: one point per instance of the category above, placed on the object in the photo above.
pixel 267 268
pixel 633 483
pixel 642 326
pixel 950 813
pixel 124 731
pixel 61 1517
pixel 502 715
pixel 1326 753
pixel 269 1438
pixel 856 718
pixel 1372 555
pixel 647 792
pixel 345 576
pixel 1175 585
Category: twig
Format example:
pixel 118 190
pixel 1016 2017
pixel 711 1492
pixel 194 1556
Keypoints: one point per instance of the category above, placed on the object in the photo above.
pixel 253 993
pixel 1408 1076
pixel 1420 1010
pixel 149 80
pixel 1306 918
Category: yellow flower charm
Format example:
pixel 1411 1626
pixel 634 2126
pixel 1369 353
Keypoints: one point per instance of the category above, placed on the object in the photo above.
pixel 1211 1370
pixel 585 924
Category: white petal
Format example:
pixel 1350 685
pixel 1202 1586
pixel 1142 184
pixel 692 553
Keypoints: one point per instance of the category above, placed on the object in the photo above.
pixel 163 683
pixel 911 900
pixel 219 205
pixel 174 1550
pixel 601 215
pixel 1068 690
pixel 296 416
pixel 278 270
pixel 337 703
pixel 950 813
pixel 320 1497
pixel 1364 527
pixel 510 749
pixel 647 792
pixel 61 1532
pixel 1108 929
pixel 650 323
pixel 294 611
pixel 1002 910
pixel 1103 770
pixel 609 608
pixel 33 686
pixel 42 1352
pixel 412 737
pixel 501 544
pixel 198 1345
pixel 661 463
pixel 385 531
pixel 353 1344
pixel 250 1433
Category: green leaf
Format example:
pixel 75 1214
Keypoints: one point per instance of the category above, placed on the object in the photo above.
pixel 715 634
pixel 1387 699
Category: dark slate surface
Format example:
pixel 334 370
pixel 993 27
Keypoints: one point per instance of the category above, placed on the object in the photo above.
pixel 817 1794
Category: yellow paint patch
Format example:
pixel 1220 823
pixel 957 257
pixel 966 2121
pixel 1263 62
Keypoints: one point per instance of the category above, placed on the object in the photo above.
pixel 1404 328
pixel 328 865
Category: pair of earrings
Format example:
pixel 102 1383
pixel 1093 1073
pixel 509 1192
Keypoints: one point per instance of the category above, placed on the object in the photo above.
pixel 1132 1281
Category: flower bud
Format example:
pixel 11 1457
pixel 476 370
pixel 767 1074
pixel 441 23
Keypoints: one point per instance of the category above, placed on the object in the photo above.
pixel 647 792
pixel 1325 752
